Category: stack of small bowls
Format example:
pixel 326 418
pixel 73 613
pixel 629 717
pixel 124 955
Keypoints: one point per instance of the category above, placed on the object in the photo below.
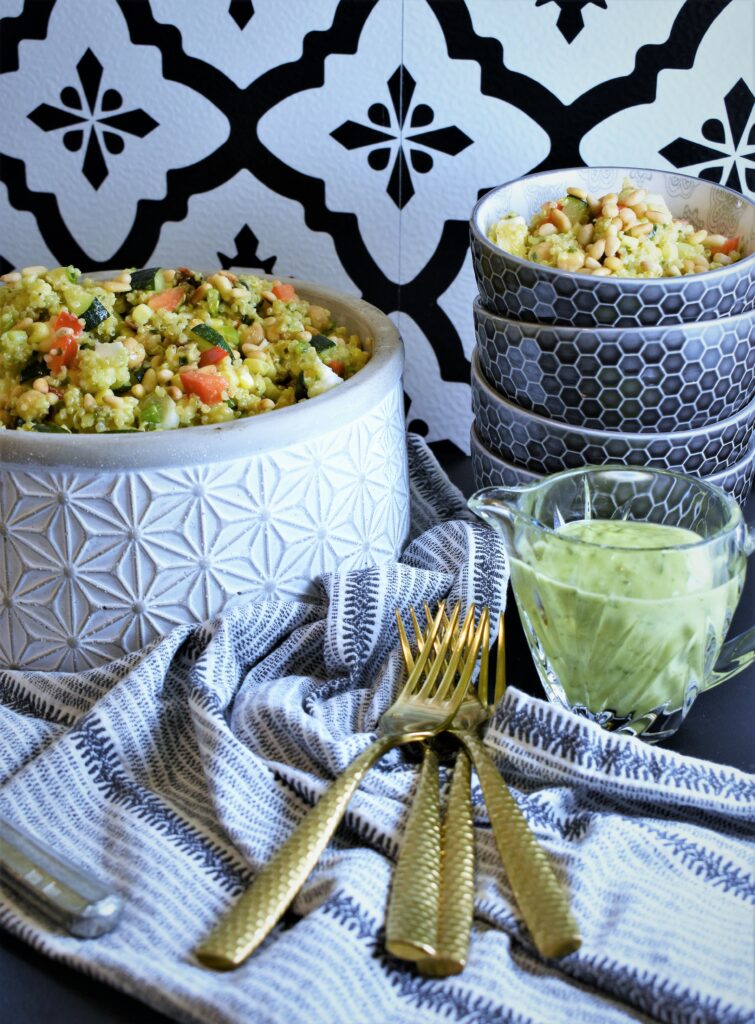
pixel 572 369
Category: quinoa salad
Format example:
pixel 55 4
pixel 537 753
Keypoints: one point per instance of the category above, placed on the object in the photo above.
pixel 626 234
pixel 160 348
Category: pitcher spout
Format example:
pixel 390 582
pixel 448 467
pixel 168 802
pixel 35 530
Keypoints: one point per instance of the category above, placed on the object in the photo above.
pixel 498 506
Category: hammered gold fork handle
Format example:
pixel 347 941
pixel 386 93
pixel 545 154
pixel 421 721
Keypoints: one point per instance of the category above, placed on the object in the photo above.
pixel 412 918
pixel 258 910
pixel 456 907
pixel 543 902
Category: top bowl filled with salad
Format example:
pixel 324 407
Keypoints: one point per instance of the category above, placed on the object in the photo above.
pixel 614 245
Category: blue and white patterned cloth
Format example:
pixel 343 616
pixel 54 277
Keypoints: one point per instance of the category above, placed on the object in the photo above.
pixel 176 773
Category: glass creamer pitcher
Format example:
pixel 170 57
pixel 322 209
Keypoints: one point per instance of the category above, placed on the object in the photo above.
pixel 626 582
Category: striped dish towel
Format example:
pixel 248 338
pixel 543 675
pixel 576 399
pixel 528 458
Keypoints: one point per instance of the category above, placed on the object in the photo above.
pixel 176 773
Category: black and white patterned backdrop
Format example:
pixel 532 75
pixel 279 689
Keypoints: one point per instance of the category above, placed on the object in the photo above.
pixel 346 141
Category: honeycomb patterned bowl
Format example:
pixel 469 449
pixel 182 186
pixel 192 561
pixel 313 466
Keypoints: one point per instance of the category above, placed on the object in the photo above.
pixel 109 541
pixel 490 470
pixel 548 446
pixel 523 290
pixel 605 378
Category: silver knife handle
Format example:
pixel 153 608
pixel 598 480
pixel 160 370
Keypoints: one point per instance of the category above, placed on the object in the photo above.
pixel 64 892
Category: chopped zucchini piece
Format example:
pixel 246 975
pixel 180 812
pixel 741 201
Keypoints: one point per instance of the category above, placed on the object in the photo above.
pixel 321 343
pixel 576 209
pixel 301 388
pixel 212 337
pixel 149 280
pixel 49 428
pixel 158 412
pixel 94 315
pixel 36 367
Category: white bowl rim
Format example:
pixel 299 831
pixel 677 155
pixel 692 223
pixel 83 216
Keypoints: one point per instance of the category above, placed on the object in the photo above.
pixel 590 432
pixel 220 442
pixel 479 309
pixel 477 442
pixel 557 271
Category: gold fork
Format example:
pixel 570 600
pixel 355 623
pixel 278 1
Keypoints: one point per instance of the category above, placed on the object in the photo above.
pixel 541 898
pixel 425 705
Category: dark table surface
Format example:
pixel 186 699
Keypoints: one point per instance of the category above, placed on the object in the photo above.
pixel 36 989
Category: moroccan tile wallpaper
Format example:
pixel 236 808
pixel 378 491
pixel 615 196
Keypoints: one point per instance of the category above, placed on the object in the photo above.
pixel 346 141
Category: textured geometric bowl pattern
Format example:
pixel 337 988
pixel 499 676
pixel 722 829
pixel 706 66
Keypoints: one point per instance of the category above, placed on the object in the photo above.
pixel 491 470
pixel 548 446
pixel 657 379
pixel 93 564
pixel 523 290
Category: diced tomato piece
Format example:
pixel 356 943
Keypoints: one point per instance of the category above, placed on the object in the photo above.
pixel 729 245
pixel 338 366
pixel 284 292
pixel 169 299
pixel 208 387
pixel 69 349
pixel 66 319
pixel 212 355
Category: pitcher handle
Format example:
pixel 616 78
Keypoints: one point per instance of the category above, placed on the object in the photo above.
pixel 736 654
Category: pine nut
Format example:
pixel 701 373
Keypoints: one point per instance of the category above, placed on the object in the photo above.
pixel 116 286
pixel 635 197
pixel 137 391
pixel 697 237
pixel 561 220
pixel 612 245
pixel 33 271
pixel 597 249
pixel 591 263
pixel 602 272
pixel 674 271
pixel 613 263
pixel 164 375
pixel 12 278
pixel 174 393
pixel 627 215
pixel 658 217
pixel 578 193
pixel 721 258
pixel 584 234
pixel 41 385
pixel 89 403
pixel 149 381
pixel 714 241
pixel 610 210
pixel 112 400
pixel 573 261
pixel 640 230
pixel 547 229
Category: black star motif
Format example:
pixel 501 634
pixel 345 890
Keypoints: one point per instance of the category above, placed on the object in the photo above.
pixel 246 253
pixel 95 121
pixel 242 12
pixel 391 123
pixel 739 103
pixel 570 21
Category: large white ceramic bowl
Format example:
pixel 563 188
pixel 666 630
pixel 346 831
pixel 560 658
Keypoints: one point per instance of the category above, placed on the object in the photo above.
pixel 108 541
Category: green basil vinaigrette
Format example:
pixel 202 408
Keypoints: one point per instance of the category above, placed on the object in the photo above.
pixel 628 614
